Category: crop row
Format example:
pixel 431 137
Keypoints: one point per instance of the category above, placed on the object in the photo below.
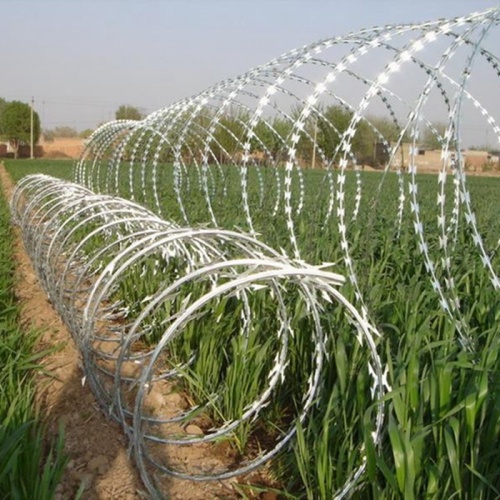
pixel 30 466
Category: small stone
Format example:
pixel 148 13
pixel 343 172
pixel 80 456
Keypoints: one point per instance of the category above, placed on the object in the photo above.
pixel 100 464
pixel 154 400
pixel 269 495
pixel 173 400
pixel 194 429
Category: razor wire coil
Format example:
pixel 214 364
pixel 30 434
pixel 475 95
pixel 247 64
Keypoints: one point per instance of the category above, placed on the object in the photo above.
pixel 354 73
pixel 84 246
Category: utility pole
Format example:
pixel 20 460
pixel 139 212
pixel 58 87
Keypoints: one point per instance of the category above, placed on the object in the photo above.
pixel 313 163
pixel 31 129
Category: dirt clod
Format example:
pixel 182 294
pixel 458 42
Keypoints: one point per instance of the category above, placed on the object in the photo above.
pixel 194 429
pixel 99 464
pixel 269 495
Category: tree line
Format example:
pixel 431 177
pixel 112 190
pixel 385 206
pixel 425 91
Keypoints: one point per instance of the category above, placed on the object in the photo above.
pixel 222 140
pixel 124 112
pixel 218 137
pixel 319 142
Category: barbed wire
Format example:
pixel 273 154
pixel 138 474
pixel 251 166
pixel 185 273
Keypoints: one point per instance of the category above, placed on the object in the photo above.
pixel 87 247
pixel 358 74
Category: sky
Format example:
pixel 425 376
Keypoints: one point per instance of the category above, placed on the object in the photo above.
pixel 81 59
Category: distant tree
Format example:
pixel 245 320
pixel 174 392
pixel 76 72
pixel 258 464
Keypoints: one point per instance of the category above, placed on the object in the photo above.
pixel 332 127
pixel 263 138
pixel 280 141
pixel 3 103
pixel 85 134
pixel 369 145
pixel 65 132
pixel 227 139
pixel 126 112
pixel 48 135
pixel 386 127
pixel 433 139
pixel 16 124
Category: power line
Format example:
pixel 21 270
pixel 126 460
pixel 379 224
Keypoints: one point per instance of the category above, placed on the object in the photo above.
pixel 69 101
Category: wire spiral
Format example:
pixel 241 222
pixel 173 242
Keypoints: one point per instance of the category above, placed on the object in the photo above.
pixel 86 247
pixel 274 120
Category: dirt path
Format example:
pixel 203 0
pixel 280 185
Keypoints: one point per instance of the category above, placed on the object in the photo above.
pixel 96 447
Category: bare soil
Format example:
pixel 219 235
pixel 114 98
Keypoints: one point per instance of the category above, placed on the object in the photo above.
pixel 99 461
pixel 60 147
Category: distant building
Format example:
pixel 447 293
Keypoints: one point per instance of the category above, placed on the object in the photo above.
pixel 431 160
pixel 24 150
pixel 426 160
pixel 478 161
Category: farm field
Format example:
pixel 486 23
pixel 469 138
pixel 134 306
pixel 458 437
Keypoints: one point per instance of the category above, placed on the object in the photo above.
pixel 57 168
pixel 443 407
pixel 279 283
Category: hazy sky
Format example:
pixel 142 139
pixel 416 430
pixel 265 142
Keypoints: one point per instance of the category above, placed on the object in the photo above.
pixel 81 59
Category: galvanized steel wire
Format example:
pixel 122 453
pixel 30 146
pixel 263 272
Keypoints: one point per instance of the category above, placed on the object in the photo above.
pixel 84 246
pixel 404 73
